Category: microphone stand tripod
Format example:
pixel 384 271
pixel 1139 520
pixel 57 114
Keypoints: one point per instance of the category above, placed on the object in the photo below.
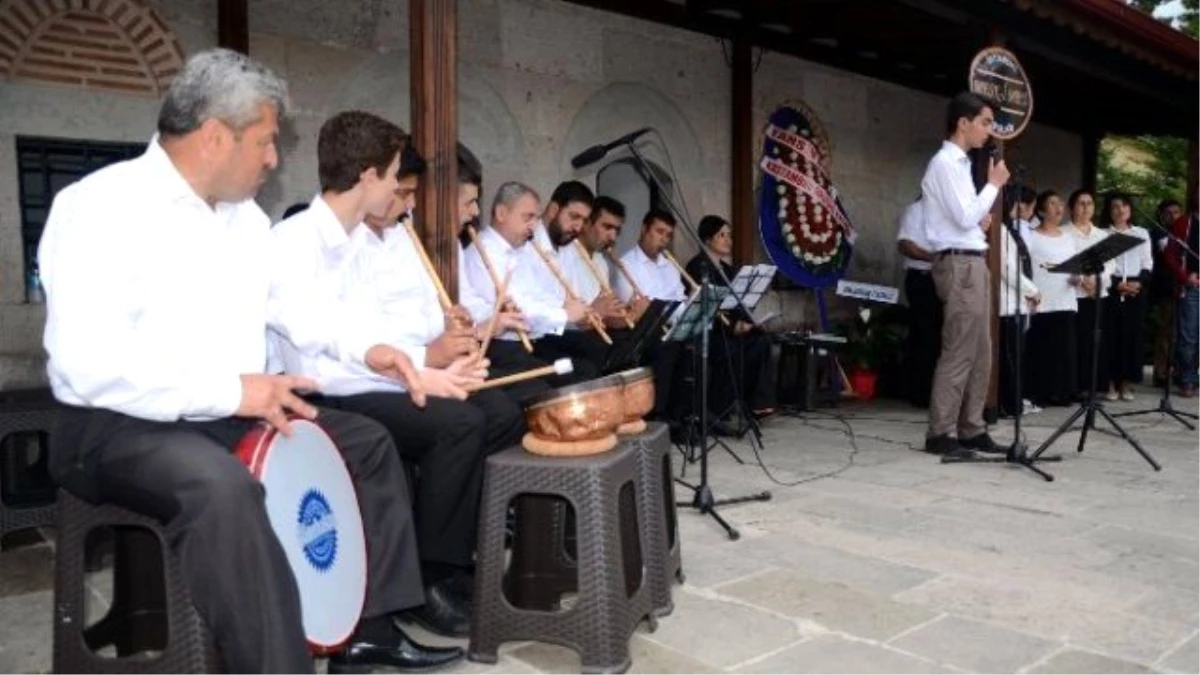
pixel 1164 403
pixel 702 495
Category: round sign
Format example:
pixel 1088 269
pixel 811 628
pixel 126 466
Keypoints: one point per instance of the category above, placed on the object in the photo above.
pixel 997 75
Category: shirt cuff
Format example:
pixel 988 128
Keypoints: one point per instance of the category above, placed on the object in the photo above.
pixel 216 398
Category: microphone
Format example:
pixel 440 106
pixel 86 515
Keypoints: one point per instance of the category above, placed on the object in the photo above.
pixel 597 152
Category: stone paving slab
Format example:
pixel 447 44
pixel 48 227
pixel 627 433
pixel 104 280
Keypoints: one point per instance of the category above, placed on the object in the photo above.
pixel 883 561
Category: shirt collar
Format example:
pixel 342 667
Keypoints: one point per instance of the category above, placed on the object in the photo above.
pixel 166 181
pixel 330 229
pixel 499 242
pixel 956 153
pixel 642 257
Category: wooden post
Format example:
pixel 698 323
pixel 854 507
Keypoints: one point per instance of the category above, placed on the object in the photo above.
pixel 742 214
pixel 434 77
pixel 233 25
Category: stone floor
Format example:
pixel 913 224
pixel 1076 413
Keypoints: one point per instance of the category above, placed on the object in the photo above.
pixel 872 557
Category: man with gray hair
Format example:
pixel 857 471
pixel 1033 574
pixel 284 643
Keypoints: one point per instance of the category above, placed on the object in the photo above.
pixel 156 296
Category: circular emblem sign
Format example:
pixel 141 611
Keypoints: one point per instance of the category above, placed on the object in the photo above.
pixel 996 74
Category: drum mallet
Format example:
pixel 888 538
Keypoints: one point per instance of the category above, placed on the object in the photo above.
pixel 560 367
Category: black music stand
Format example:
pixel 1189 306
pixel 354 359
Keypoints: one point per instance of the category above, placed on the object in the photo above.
pixel 1090 262
pixel 628 353
pixel 747 288
pixel 691 324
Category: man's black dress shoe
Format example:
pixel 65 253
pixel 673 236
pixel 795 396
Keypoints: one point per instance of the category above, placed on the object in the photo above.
pixel 443 613
pixel 404 654
pixel 983 443
pixel 461 586
pixel 946 446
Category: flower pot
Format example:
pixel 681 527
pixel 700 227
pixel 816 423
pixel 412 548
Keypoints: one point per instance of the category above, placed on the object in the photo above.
pixel 863 382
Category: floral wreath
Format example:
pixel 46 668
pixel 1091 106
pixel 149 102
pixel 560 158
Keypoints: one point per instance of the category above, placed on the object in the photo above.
pixel 804 227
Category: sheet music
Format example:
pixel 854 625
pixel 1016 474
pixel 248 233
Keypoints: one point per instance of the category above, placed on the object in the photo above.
pixel 750 284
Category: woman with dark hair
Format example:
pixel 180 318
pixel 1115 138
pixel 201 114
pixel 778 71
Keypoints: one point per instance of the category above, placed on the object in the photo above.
pixel 1125 309
pixel 739 349
pixel 1050 367
pixel 1088 295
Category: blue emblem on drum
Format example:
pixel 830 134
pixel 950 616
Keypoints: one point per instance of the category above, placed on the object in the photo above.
pixel 317 530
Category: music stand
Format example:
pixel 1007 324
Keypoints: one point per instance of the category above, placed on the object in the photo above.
pixel 1090 262
pixel 691 323
pixel 627 353
pixel 747 288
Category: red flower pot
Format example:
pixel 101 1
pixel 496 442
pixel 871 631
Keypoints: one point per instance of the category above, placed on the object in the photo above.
pixel 863 383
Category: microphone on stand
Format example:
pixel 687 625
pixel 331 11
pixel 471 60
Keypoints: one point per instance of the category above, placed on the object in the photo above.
pixel 597 152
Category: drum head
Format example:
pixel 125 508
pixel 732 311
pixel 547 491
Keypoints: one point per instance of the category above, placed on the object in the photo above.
pixel 313 509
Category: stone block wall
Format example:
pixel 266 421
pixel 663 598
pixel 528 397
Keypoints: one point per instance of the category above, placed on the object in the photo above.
pixel 539 80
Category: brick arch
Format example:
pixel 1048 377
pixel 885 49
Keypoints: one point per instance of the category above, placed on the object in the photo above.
pixel 120 45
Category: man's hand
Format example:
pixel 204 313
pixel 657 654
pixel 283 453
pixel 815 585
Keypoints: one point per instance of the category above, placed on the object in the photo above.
pixel 985 223
pixel 1034 300
pixel 449 346
pixel 453 381
pixel 391 362
pixel 607 306
pixel 457 317
pixel 270 397
pixel 638 305
pixel 1193 280
pixel 506 321
pixel 997 173
pixel 576 311
pixel 1135 287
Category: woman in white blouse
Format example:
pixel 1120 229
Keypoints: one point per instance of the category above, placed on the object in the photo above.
pixel 1125 309
pixel 1050 367
pixel 1083 208
pixel 1016 270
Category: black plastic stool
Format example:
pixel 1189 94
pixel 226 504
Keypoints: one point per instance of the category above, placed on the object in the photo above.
pixel 26 490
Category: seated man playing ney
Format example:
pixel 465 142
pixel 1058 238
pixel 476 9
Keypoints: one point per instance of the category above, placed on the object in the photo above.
pixel 156 330
pixel 334 284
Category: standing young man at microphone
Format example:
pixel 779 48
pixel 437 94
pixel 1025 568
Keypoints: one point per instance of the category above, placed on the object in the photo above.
pixel 957 218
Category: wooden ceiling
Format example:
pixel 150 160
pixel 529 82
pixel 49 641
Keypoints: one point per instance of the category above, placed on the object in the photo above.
pixel 1095 67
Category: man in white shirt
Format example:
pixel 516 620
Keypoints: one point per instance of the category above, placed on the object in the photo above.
pixel 656 278
pixel 156 322
pixel 332 274
pixel 566 214
pixel 545 309
pixel 957 217
pixel 924 308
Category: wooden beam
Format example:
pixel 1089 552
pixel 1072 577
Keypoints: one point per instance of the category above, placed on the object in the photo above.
pixel 233 25
pixel 434 77
pixel 742 214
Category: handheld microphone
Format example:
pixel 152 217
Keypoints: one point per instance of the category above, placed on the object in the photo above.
pixel 597 152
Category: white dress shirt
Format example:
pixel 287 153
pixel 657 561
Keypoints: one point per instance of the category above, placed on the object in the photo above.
pixel 1130 264
pixel 1010 272
pixel 156 302
pixel 577 271
pixel 1093 236
pixel 540 302
pixel 952 207
pixel 1058 295
pixel 469 297
pixel 912 228
pixel 319 325
pixel 657 279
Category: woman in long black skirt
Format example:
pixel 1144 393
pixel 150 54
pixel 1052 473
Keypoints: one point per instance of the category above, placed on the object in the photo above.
pixel 1126 305
pixel 1050 367
pixel 1086 234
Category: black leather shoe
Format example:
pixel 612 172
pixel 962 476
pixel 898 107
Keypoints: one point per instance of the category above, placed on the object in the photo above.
pixel 946 446
pixel 983 443
pixel 461 586
pixel 443 613
pixel 405 655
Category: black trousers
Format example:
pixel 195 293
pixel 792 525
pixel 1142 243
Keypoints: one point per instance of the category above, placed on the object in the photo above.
pixel 585 349
pixel 1126 335
pixel 510 358
pixel 744 360
pixel 185 475
pixel 924 342
pixel 448 440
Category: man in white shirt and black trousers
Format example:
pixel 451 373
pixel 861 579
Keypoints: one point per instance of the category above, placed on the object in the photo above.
pixel 156 331
pixel 344 263
pixel 924 308
pixel 957 218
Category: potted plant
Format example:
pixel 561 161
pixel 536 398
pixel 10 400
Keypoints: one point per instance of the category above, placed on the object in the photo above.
pixel 871 346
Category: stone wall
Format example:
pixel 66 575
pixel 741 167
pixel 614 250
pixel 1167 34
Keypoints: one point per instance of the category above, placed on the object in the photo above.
pixel 539 80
